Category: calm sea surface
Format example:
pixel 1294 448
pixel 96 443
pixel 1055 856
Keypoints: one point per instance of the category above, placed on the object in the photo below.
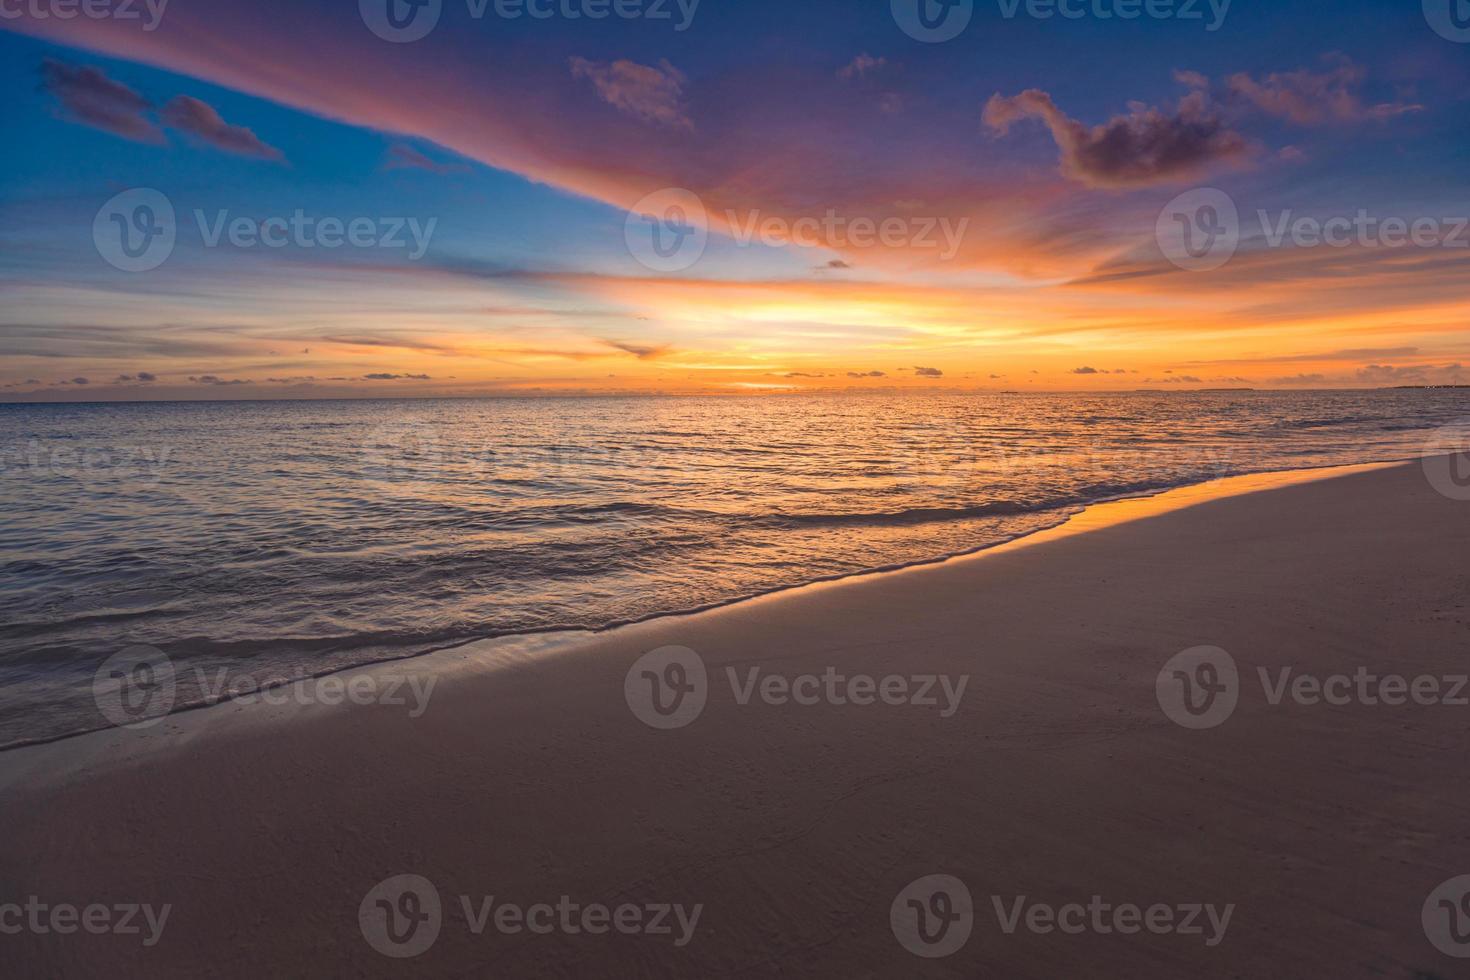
pixel 277 540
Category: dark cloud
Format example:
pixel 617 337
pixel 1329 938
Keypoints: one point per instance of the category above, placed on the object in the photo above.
pixel 1146 146
pixel 866 374
pixel 212 379
pixel 396 377
pixel 90 97
pixel 644 352
pixel 928 372
pixel 1086 370
pixel 199 119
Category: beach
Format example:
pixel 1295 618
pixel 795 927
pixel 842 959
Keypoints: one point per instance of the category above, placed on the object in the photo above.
pixel 1003 719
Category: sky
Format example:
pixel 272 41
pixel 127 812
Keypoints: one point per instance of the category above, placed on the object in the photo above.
pixel 297 198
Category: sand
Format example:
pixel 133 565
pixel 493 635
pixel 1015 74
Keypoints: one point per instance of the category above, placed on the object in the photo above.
pixel 793 828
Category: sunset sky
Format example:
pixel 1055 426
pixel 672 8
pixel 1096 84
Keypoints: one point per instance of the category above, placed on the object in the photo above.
pixel 1046 148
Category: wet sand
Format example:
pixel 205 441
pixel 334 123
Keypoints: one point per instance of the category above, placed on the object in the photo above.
pixel 1048 765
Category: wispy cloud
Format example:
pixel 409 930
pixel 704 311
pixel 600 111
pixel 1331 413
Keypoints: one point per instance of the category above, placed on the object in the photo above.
pixel 654 93
pixel 201 120
pixel 90 97
pixel 1311 98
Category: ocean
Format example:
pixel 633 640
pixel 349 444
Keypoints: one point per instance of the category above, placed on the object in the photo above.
pixel 275 540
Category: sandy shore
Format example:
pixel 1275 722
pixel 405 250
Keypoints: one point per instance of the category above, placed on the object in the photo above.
pixel 1306 837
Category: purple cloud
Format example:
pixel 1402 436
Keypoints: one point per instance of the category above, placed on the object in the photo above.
pixel 199 119
pixel 401 156
pixel 1311 98
pixel 1146 146
pixel 93 99
pixel 652 93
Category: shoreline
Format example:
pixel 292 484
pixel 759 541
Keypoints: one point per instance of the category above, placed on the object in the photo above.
pixel 1078 520
pixel 1047 767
